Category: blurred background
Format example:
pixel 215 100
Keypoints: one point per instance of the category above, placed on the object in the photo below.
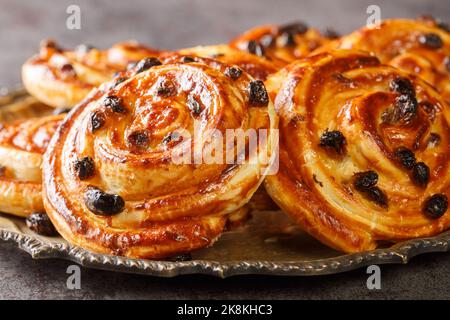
pixel 172 24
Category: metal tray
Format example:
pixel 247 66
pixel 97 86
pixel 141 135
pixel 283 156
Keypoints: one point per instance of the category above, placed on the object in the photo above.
pixel 267 244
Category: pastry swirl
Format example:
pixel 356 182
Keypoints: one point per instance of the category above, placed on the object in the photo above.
pixel 364 151
pixel 281 44
pixel 63 78
pixel 420 47
pixel 21 147
pixel 111 184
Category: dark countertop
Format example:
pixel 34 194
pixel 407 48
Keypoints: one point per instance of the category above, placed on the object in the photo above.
pixel 174 24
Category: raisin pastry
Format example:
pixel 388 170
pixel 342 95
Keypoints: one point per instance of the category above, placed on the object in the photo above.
pixel 281 44
pixel 62 78
pixel 364 151
pixel 122 174
pixel 257 67
pixel 21 147
pixel 421 47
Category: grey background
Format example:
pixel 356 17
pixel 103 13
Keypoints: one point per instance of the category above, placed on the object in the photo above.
pixel 174 24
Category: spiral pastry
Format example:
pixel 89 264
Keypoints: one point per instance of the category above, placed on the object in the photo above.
pixel 257 67
pixel 112 183
pixel 420 47
pixel 281 44
pixel 364 151
pixel 62 78
pixel 21 147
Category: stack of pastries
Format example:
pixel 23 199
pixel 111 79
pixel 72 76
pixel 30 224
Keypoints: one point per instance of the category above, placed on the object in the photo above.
pixel 356 153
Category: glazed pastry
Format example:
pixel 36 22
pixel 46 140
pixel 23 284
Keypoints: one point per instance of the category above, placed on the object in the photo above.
pixel 21 147
pixel 281 44
pixel 364 151
pixel 421 47
pixel 63 78
pixel 120 175
pixel 257 67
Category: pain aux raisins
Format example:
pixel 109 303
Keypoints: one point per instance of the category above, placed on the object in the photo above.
pixel 431 40
pixel 115 104
pixel 258 94
pixel 334 140
pixel 84 168
pixel 101 203
pixel 406 157
pixel 420 174
pixel 40 223
pixel 436 206
pixel 233 72
pixel 146 64
pixel 365 182
pixel 254 47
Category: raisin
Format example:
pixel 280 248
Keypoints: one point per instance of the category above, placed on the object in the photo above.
pixel 376 195
pixel 330 33
pixel 84 168
pixel 233 72
pixel 431 40
pixel 258 94
pixel 119 81
pixel 434 140
pixel 40 223
pixel 294 28
pixel 333 139
pixel 435 206
pixel 194 106
pixel 365 180
pixel 102 203
pixel 187 59
pixel 255 48
pixel 67 71
pixel 166 89
pixel 402 86
pixel 146 64
pixel 421 174
pixel 97 121
pixel 405 157
pixel 115 104
pixel 406 106
pixel 139 138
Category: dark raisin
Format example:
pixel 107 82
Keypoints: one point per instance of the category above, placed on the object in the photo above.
pixel 294 28
pixel 146 64
pixel 434 140
pixel 421 174
pixel 365 180
pixel 406 157
pixel 194 106
pixel 102 203
pixel 435 206
pixel 84 168
pixel 406 106
pixel 187 59
pixel 330 33
pixel 40 223
pixel 267 40
pixel 233 72
pixel 139 138
pixel 115 104
pixel 60 111
pixel 258 94
pixel 97 121
pixel 255 48
pixel 166 89
pixel 403 86
pixel 431 40
pixel 332 139
pixel 287 39
pixel 376 195
pixel 447 63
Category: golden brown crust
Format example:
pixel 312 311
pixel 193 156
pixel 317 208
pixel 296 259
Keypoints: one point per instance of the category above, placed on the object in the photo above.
pixel 400 43
pixel 351 92
pixel 169 208
pixel 281 44
pixel 21 147
pixel 257 67
pixel 63 78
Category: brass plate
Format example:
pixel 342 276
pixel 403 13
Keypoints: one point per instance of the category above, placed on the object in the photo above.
pixel 267 244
